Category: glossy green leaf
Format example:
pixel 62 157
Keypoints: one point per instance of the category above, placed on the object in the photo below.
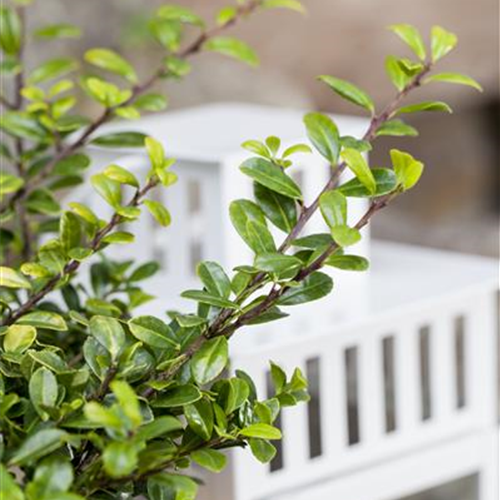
pixel 200 418
pixel 279 209
pixel 53 476
pixel 324 135
pixel 12 279
pixel 210 360
pixel 454 78
pixel 152 331
pixel 165 486
pixel 54 68
pixel 262 431
pixel 119 459
pixel 42 201
pixel 408 170
pixel 281 265
pixel 214 278
pixel 412 37
pixel 8 485
pixel 425 106
pixel 232 47
pixel 278 377
pixel 109 333
pixel 159 212
pixel 385 181
pixel 179 13
pixel 358 165
pixel 345 236
pixel 297 148
pixel 333 206
pixel 257 147
pixel 43 390
pixel 44 319
pixel 396 128
pixel 121 140
pixel 23 125
pixel 395 72
pixel 178 396
pixel 243 211
pixel 111 61
pixel 347 141
pixel 442 42
pixel 158 427
pixel 9 184
pixel 271 176
pixel 121 175
pixel 128 401
pixel 348 262
pixel 38 445
pixel 208 298
pixel 70 230
pixel 10 30
pixel 349 92
pixel 316 286
pixel 262 450
pixel 284 4
pixel 108 189
pixel 151 102
pixel 72 165
pixel 19 338
pixel 212 460
pixel 62 30
pixel 119 237
pixel 260 239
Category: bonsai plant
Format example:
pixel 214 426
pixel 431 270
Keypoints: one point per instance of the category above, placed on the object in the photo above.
pixel 95 401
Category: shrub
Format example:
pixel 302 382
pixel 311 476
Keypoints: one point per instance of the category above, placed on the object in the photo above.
pixel 96 401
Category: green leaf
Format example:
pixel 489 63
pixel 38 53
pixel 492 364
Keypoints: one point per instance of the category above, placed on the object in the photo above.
pixel 333 206
pixel 232 47
pixel 165 486
pixel 152 331
pixel 44 319
pixel 396 128
pixel 348 262
pixel 128 401
pixel 22 125
pixel 158 427
pixel 442 42
pixel 19 338
pixel 119 459
pixel 408 170
pixel 395 72
pixel 297 148
pixel 425 106
pixel 70 230
pixel 43 202
pixel 151 102
pixel 324 135
pixel 316 286
pixel 109 333
pixel 108 189
pixel 72 165
pixel 121 175
pixel 210 360
pixel 9 183
pixel 54 68
pixel 53 476
pixel 281 265
pixel 271 176
pixel 345 236
pixel 208 298
pixel 284 4
pixel 62 30
pixel 278 376
pixel 279 209
pixel 225 15
pixel 234 394
pixel 119 237
pixel 454 78
pixel 49 359
pixel 10 30
pixel 241 213
pixel 121 140
pixel 411 36
pixel 159 212
pixel 262 431
pixel 179 396
pixel 214 278
pixel 8 486
pixel 260 239
pixel 212 460
pixel 177 67
pixel 200 418
pixel 111 61
pixel 347 141
pixel 257 147
pixel 38 445
pixel 181 14
pixel 43 391
pixel 262 450
pixel 385 181
pixel 12 279
pixel 349 91
pixel 358 165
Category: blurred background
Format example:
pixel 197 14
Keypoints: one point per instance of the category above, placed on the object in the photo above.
pixel 456 205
